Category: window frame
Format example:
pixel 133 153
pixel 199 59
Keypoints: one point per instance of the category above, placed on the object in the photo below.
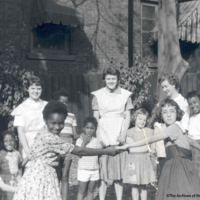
pixel 150 4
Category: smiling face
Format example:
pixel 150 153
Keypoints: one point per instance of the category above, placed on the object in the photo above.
pixel 34 92
pixel 89 129
pixel 169 114
pixel 9 142
pixel 55 123
pixel 111 82
pixel 64 100
pixel 140 121
pixel 194 104
pixel 168 88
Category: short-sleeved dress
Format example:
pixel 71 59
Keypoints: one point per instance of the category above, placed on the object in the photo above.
pixel 29 115
pixel 111 107
pixel 139 169
pixel 179 178
pixel 40 181
pixel 9 171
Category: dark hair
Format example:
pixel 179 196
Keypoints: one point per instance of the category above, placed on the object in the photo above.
pixel 59 93
pixel 170 102
pixel 7 132
pixel 54 107
pixel 90 120
pixel 141 111
pixel 193 93
pixel 111 71
pixel 34 80
pixel 172 79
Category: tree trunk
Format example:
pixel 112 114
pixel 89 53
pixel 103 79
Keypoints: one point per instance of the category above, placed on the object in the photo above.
pixel 169 55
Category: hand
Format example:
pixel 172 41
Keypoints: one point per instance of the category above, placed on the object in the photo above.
pixel 86 138
pixel 111 151
pixel 102 144
pixel 54 157
pixel 121 139
pixel 124 147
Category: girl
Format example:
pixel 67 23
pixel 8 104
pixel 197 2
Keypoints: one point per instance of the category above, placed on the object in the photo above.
pixel 139 169
pixel 111 107
pixel 88 167
pixel 179 177
pixel 10 162
pixel 68 134
pixel 39 181
pixel 28 115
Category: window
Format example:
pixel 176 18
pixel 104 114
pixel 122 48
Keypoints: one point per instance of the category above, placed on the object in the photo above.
pixel 50 41
pixel 148 22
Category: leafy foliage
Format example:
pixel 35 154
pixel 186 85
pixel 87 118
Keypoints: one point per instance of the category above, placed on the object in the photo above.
pixel 13 80
pixel 135 79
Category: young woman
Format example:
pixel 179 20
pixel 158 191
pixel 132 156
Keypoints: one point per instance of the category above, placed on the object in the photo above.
pixel 111 107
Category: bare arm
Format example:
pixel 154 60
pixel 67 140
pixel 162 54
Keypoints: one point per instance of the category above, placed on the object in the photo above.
pixel 122 137
pixel 154 138
pixel 193 143
pixel 81 151
pixel 23 163
pixel 23 140
pixel 6 187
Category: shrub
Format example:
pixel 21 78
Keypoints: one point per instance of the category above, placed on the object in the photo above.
pixel 13 81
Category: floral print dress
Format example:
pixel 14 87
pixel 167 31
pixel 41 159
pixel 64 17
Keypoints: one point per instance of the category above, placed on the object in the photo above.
pixel 40 181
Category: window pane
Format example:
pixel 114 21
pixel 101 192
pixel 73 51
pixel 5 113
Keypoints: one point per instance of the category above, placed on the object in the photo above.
pixel 148 12
pixel 148 25
pixel 50 36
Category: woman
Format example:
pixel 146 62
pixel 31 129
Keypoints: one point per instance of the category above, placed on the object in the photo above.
pixel 111 107
pixel 28 115
pixel 171 87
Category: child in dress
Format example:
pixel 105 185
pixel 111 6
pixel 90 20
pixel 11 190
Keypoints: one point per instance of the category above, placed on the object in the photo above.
pixel 179 177
pixel 88 167
pixel 40 181
pixel 68 134
pixel 193 98
pixel 139 170
pixel 10 164
pixel 28 115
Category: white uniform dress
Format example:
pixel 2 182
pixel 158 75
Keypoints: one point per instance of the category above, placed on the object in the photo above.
pixel 29 115
pixel 111 107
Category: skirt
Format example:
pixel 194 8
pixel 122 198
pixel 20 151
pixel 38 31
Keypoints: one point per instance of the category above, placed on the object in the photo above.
pixel 3 194
pixel 139 169
pixel 196 158
pixel 112 167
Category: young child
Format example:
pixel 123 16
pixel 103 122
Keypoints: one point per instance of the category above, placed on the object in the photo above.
pixel 10 164
pixel 139 170
pixel 193 98
pixel 179 177
pixel 40 180
pixel 68 134
pixel 88 167
pixel 28 115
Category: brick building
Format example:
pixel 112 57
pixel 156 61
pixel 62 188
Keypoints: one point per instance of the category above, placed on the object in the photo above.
pixel 74 53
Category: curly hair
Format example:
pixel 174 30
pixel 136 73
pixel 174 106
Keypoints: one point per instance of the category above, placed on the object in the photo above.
pixel 90 120
pixel 172 79
pixel 59 93
pixel 34 80
pixel 111 71
pixel 169 102
pixel 54 107
pixel 192 94
pixel 140 111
